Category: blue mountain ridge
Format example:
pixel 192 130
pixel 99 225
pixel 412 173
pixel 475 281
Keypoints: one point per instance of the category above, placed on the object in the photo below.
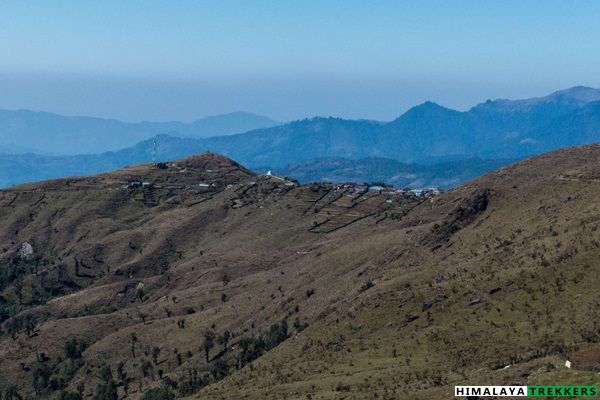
pixel 426 135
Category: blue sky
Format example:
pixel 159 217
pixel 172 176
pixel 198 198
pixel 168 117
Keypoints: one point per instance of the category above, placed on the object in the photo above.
pixel 183 60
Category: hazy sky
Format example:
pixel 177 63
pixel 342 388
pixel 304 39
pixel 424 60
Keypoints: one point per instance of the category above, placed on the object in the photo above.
pixel 183 60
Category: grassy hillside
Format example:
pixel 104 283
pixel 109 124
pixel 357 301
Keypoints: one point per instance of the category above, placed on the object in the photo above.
pixel 257 288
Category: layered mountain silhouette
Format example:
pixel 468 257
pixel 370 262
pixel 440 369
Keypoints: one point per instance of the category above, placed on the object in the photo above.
pixel 499 130
pixel 425 134
pixel 47 133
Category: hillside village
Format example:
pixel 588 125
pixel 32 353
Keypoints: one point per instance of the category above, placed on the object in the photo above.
pixel 142 282
pixel 282 184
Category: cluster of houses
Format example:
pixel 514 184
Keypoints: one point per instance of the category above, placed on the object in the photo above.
pixel 144 185
pixel 135 184
pixel 286 185
pixel 387 190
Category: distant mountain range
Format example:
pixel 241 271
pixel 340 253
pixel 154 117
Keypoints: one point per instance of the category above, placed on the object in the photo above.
pixel 27 131
pixel 429 145
pixel 429 133
pixel 426 134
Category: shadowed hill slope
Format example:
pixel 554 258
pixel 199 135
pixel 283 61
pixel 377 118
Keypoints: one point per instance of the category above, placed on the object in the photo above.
pixel 231 290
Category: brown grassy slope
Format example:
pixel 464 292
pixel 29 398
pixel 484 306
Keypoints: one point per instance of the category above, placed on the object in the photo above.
pixel 528 262
pixel 96 239
pixel 529 230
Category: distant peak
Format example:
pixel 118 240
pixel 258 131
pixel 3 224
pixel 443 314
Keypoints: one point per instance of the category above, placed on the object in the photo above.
pixel 577 95
pixel 239 117
pixel 578 89
pixel 582 94
pixel 430 106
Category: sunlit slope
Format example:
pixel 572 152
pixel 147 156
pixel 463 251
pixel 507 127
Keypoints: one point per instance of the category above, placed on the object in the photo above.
pixel 163 252
pixel 502 274
pixel 390 300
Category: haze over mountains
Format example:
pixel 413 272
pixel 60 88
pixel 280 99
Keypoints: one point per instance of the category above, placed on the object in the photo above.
pixel 47 133
pixel 497 132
